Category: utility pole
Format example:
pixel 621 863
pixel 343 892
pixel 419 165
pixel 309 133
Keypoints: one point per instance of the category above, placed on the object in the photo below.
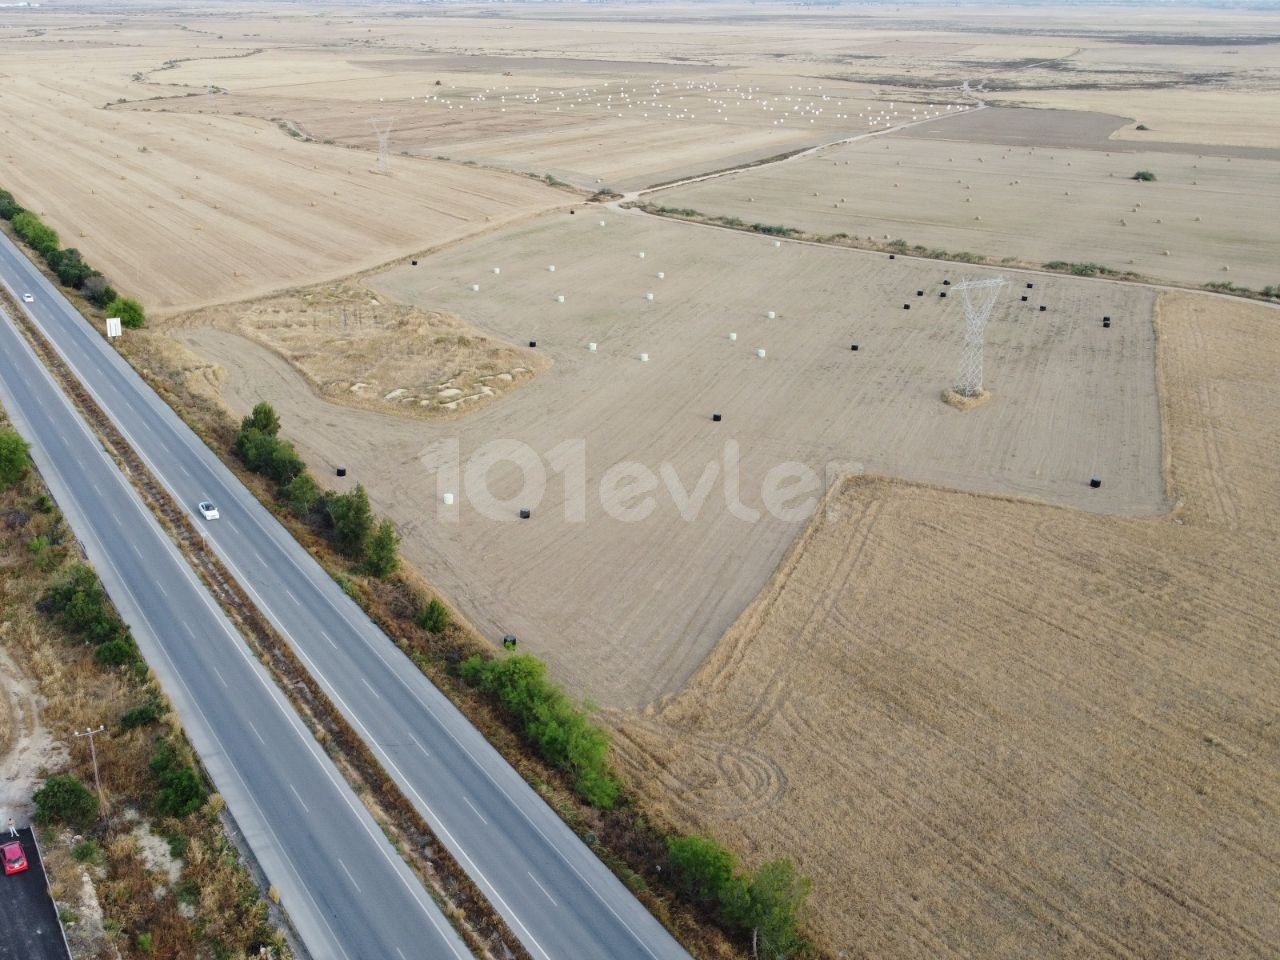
pixel 93 752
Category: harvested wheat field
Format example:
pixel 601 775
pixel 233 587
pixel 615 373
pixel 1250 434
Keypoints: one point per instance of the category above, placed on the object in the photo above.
pixel 186 210
pixel 997 728
pixel 360 350
pixel 979 184
pixel 1070 399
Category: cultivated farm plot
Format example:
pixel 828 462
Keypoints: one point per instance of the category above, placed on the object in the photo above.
pixel 625 611
pixel 1002 729
pixel 1030 203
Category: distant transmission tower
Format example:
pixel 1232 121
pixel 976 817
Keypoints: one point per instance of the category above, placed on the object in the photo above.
pixel 979 299
pixel 382 127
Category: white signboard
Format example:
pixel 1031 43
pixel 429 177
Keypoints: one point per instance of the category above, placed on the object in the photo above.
pixel 113 326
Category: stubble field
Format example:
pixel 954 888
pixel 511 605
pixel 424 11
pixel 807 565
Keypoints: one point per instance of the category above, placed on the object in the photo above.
pixel 998 728
pixel 625 611
pixel 979 183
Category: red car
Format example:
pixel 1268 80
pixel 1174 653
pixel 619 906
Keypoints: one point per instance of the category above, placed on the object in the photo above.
pixel 15 861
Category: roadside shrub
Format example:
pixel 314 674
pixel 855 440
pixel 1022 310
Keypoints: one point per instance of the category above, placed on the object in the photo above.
pixel 381 558
pixel 79 603
pixel 129 311
pixel 9 207
pixel 352 521
pixel 64 799
pixel 181 793
pixel 767 908
pixel 558 729
pixel 97 290
pixel 1144 175
pixel 1142 126
pixel 264 418
pixel 88 852
pixel 40 237
pixel 142 715
pixel 703 869
pixel 116 653
pixel 434 617
pixel 14 457
pixel 181 790
pixel 301 494
pixel 69 266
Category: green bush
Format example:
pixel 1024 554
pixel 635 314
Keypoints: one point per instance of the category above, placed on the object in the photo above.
pixel 434 617
pixel 1144 175
pixel 14 457
pixel 559 730
pixel 352 521
pixel 116 653
pixel 181 790
pixel 767 907
pixel 181 793
pixel 702 868
pixel 43 239
pixel 142 715
pixel 129 311
pixel 64 799
pixel 381 558
pixel 9 207
pixel 263 418
pixel 97 290
pixel 80 605
pixel 301 494
pixel 88 852
pixel 69 266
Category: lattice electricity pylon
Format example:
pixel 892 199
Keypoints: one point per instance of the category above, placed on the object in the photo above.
pixel 979 299
pixel 382 127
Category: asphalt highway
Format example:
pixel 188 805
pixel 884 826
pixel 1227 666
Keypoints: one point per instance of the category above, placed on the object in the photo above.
pixel 558 898
pixel 347 892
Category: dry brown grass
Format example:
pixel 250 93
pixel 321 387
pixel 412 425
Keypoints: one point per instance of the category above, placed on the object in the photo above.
pixel 363 349
pixel 989 727
pixel 214 900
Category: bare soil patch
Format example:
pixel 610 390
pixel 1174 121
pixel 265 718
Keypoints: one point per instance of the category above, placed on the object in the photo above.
pixel 988 726
pixel 363 349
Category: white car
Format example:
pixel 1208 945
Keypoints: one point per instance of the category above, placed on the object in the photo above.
pixel 208 510
pixel 28 298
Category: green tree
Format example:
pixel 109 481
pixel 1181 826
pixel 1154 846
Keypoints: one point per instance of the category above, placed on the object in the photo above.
pixel 1146 175
pixel 352 522
pixel 434 617
pixel 96 288
pixel 767 907
pixel 9 207
pixel 301 494
pixel 129 311
pixel 381 558
pixel 64 799
pixel 14 457
pixel 69 266
pixel 561 731
pixel 283 464
pixel 703 869
pixel 39 236
pixel 263 418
